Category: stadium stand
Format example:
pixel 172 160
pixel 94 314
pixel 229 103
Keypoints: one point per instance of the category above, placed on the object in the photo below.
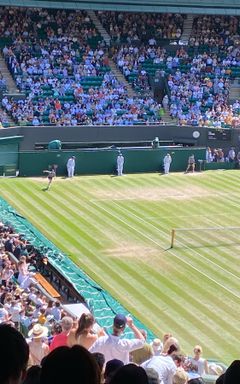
pixel 64 72
pixel 198 77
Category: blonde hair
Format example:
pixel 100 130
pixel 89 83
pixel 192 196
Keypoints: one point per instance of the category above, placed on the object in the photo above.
pixel 198 348
pixel 166 337
pixel 180 376
pixel 170 341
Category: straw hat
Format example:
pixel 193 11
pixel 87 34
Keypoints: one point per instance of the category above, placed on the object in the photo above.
pixel 38 331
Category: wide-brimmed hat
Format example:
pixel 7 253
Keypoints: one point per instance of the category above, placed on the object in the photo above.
pixel 38 331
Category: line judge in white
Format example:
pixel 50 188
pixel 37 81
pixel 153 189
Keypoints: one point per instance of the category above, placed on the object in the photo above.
pixel 120 163
pixel 166 163
pixel 71 166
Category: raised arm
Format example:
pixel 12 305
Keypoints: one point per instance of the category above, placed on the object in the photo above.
pixel 136 331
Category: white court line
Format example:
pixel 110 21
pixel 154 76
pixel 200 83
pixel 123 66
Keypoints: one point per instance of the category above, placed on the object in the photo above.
pixel 156 217
pixel 159 245
pixel 185 246
pixel 166 196
pixel 113 199
pixel 185 216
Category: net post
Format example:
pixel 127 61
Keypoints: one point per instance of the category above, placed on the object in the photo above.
pixel 173 238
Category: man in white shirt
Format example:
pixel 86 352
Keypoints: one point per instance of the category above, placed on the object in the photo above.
pixel 163 365
pixel 113 347
pixel 231 155
pixel 166 163
pixel 120 163
pixel 71 166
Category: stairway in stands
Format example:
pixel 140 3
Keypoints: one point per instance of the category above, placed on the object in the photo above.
pixel 6 119
pixel 12 91
pixel 10 83
pixel 120 77
pixel 187 29
pixel 118 74
pixel 107 39
pixel 234 93
pixel 168 119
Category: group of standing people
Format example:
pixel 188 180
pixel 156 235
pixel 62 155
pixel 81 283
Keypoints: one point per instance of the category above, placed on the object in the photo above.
pixel 96 357
pixel 167 161
pixel 71 163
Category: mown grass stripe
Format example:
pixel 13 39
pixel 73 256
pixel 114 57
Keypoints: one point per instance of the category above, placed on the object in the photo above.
pixel 176 277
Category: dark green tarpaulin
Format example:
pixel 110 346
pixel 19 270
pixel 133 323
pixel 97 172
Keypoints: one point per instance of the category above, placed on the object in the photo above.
pixel 101 303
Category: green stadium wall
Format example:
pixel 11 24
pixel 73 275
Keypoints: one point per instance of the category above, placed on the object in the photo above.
pixel 104 161
pixel 186 135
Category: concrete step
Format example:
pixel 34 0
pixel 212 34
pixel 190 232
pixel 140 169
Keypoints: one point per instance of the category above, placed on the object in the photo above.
pixel 4 116
pixel 168 119
pixel 120 77
pixel 234 92
pixel 115 70
pixel 10 83
pixel 187 28
pixel 99 27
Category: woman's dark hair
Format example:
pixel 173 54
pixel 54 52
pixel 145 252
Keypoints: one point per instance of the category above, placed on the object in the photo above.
pixel 64 362
pixel 56 328
pixel 33 375
pixel 85 321
pixel 15 354
pixel 172 348
pixel 129 374
pixel 198 380
pixel 50 304
pixel 220 379
pixel 100 359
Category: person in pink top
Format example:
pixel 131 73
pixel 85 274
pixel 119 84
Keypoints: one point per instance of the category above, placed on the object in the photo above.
pixel 60 339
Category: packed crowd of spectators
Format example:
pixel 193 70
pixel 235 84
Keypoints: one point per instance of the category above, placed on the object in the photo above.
pixel 60 61
pixel 198 81
pixel 218 155
pixel 22 303
pixel 217 31
pixel 138 28
pixel 196 99
pixel 66 77
pixel 137 38
pixel 199 85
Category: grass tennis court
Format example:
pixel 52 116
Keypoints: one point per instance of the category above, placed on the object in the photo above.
pixel 118 231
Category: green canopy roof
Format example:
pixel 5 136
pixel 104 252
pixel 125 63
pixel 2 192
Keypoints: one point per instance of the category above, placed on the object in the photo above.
pixel 223 7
